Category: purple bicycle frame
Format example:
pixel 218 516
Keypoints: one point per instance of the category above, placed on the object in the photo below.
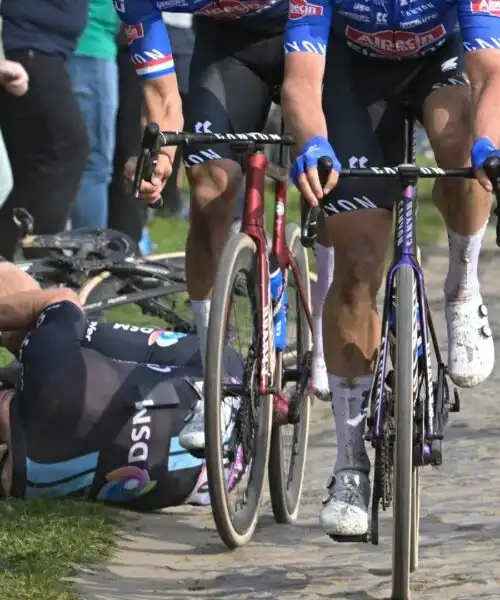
pixel 405 253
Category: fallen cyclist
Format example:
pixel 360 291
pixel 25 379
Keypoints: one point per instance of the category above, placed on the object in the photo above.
pixel 98 407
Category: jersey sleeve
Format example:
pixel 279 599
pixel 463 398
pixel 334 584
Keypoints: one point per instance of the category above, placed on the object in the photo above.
pixel 147 37
pixel 479 24
pixel 308 26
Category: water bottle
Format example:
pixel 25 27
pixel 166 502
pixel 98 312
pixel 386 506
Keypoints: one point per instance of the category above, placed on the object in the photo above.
pixel 279 298
pixel 146 245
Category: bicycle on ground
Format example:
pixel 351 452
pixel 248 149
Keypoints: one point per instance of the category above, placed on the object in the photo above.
pixel 272 417
pixel 101 266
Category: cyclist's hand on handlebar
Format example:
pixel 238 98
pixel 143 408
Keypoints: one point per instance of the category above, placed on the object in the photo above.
pixel 304 170
pixel 482 150
pixel 150 190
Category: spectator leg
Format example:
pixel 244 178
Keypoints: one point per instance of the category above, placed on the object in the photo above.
pixel 95 83
pixel 47 143
pixel 126 214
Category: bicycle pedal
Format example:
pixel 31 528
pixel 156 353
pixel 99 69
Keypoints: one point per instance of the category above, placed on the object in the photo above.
pixel 351 539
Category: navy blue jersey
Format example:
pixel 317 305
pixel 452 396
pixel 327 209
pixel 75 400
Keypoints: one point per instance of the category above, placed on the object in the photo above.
pixel 392 29
pixel 99 411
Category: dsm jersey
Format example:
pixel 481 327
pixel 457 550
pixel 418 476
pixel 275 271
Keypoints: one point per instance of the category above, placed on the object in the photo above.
pixel 392 29
pixel 147 36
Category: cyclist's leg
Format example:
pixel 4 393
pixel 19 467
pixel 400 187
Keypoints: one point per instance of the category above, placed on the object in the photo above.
pixel 354 110
pixel 445 109
pixel 226 94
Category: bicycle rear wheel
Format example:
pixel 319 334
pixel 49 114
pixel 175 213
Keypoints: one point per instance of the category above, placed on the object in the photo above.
pixel 405 371
pixel 289 442
pixel 247 449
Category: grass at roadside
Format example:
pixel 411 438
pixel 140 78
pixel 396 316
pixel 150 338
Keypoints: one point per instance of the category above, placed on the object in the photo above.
pixel 43 542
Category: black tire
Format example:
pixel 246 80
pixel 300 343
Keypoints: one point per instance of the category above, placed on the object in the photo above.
pixel 285 483
pixel 405 371
pixel 234 527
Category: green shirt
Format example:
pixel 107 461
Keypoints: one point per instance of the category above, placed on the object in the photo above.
pixel 98 38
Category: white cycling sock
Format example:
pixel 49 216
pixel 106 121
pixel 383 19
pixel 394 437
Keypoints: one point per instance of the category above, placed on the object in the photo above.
pixel 349 404
pixel 201 309
pixel 324 266
pixel 462 281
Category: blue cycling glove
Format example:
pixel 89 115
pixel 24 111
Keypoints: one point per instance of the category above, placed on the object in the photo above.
pixel 483 149
pixel 309 155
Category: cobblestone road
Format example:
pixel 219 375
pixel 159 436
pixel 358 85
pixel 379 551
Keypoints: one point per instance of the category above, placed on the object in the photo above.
pixel 178 555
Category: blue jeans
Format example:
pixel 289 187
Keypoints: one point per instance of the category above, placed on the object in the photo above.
pixel 95 84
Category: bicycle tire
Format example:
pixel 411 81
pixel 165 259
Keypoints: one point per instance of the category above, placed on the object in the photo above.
pixel 406 348
pixel 285 486
pixel 240 254
pixel 97 288
pixel 415 519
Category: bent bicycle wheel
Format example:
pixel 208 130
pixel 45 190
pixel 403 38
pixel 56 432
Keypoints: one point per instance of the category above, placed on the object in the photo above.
pixel 405 374
pixel 238 457
pixel 289 442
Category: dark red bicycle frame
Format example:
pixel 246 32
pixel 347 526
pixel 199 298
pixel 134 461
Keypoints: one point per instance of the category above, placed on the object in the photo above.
pixel 253 226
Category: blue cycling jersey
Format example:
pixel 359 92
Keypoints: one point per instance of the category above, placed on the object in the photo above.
pixel 392 29
pixel 147 36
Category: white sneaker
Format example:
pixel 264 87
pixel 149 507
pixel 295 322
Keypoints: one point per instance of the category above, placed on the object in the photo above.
pixel 320 386
pixel 192 436
pixel 471 351
pixel 345 509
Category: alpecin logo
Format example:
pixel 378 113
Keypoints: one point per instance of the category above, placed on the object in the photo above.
pixel 302 8
pixel 396 44
pixel 486 6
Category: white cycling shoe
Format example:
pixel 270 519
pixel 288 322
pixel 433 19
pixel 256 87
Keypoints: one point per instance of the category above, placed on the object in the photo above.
pixel 471 350
pixel 345 509
pixel 192 435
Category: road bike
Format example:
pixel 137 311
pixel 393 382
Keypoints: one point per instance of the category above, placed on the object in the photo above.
pixel 101 265
pixel 271 403
pixel 410 400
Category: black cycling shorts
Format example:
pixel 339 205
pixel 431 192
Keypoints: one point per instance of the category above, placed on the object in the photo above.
pixel 236 69
pixel 365 101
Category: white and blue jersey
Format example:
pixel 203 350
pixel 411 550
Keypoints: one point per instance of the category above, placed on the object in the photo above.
pixel 392 29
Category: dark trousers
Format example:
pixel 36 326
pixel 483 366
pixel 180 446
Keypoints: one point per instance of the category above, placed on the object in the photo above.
pixel 47 143
pixel 126 214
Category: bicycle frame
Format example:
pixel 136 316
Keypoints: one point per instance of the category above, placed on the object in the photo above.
pixel 405 253
pixel 253 226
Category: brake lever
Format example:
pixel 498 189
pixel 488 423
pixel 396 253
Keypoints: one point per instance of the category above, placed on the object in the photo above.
pixel 147 161
pixel 310 214
pixel 491 167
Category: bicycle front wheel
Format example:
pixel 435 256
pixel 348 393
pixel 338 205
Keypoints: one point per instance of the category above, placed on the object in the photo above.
pixel 242 454
pixel 289 442
pixel 405 370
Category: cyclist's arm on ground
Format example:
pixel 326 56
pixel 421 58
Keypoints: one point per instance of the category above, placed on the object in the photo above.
pixel 481 34
pixel 306 39
pixel 151 55
pixel 20 311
